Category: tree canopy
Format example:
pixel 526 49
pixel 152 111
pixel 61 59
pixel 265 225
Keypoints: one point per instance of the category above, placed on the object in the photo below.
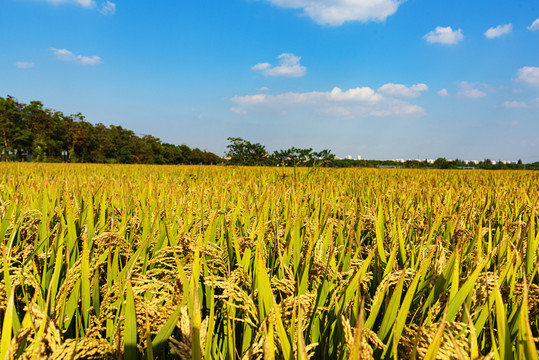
pixel 244 152
pixel 30 132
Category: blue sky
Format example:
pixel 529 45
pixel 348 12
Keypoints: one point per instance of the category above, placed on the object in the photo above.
pixel 383 79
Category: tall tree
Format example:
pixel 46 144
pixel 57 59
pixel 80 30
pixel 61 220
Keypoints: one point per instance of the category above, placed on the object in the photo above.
pixel 7 126
pixel 33 131
pixel 15 136
pixel 243 152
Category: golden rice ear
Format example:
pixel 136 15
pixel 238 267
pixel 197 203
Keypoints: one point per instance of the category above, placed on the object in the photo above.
pixel 88 348
pixel 266 262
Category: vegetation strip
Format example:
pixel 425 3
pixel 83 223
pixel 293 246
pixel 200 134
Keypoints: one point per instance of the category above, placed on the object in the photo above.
pixel 194 262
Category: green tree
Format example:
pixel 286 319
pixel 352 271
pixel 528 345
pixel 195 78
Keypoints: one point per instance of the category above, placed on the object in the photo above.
pixel 441 163
pixel 243 152
pixel 486 164
pixel 295 157
pixel 9 119
pixel 15 136
pixel 324 157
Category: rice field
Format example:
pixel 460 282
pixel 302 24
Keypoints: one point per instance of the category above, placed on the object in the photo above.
pixel 156 262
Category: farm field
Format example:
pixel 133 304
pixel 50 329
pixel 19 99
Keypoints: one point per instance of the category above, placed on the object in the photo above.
pixel 192 262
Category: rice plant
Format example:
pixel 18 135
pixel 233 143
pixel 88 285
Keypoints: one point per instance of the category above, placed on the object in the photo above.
pixel 158 262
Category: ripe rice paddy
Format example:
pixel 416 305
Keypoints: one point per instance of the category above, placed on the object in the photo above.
pixel 158 262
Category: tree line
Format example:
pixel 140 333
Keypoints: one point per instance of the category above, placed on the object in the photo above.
pixel 244 152
pixel 440 163
pixel 30 132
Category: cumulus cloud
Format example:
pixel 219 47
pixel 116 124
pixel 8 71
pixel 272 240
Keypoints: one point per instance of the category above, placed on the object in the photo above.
pixel 247 100
pixel 337 12
pixel 534 26
pixel 66 55
pixel 359 94
pixel 351 103
pixel 86 60
pixel 515 104
pixel 288 66
pixel 444 35
pixel 470 91
pixel 399 90
pixel 529 75
pixel 443 92
pixel 500 30
pixel 24 64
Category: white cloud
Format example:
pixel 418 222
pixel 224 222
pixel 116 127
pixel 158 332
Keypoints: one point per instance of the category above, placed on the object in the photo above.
pixel 108 8
pixel 356 94
pixel 238 110
pixel 359 94
pixel 534 26
pixel 500 30
pixel 443 92
pixel 399 90
pixel 86 60
pixel 105 7
pixel 261 66
pixel 63 54
pixel 24 64
pixel 515 105
pixel 337 12
pixel 444 35
pixel 529 75
pixel 351 103
pixel 246 100
pixel 84 3
pixel 470 91
pixel 521 104
pixel 288 66
pixel 66 55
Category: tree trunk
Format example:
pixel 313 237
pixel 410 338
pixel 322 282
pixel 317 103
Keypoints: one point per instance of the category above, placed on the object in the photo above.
pixel 5 145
